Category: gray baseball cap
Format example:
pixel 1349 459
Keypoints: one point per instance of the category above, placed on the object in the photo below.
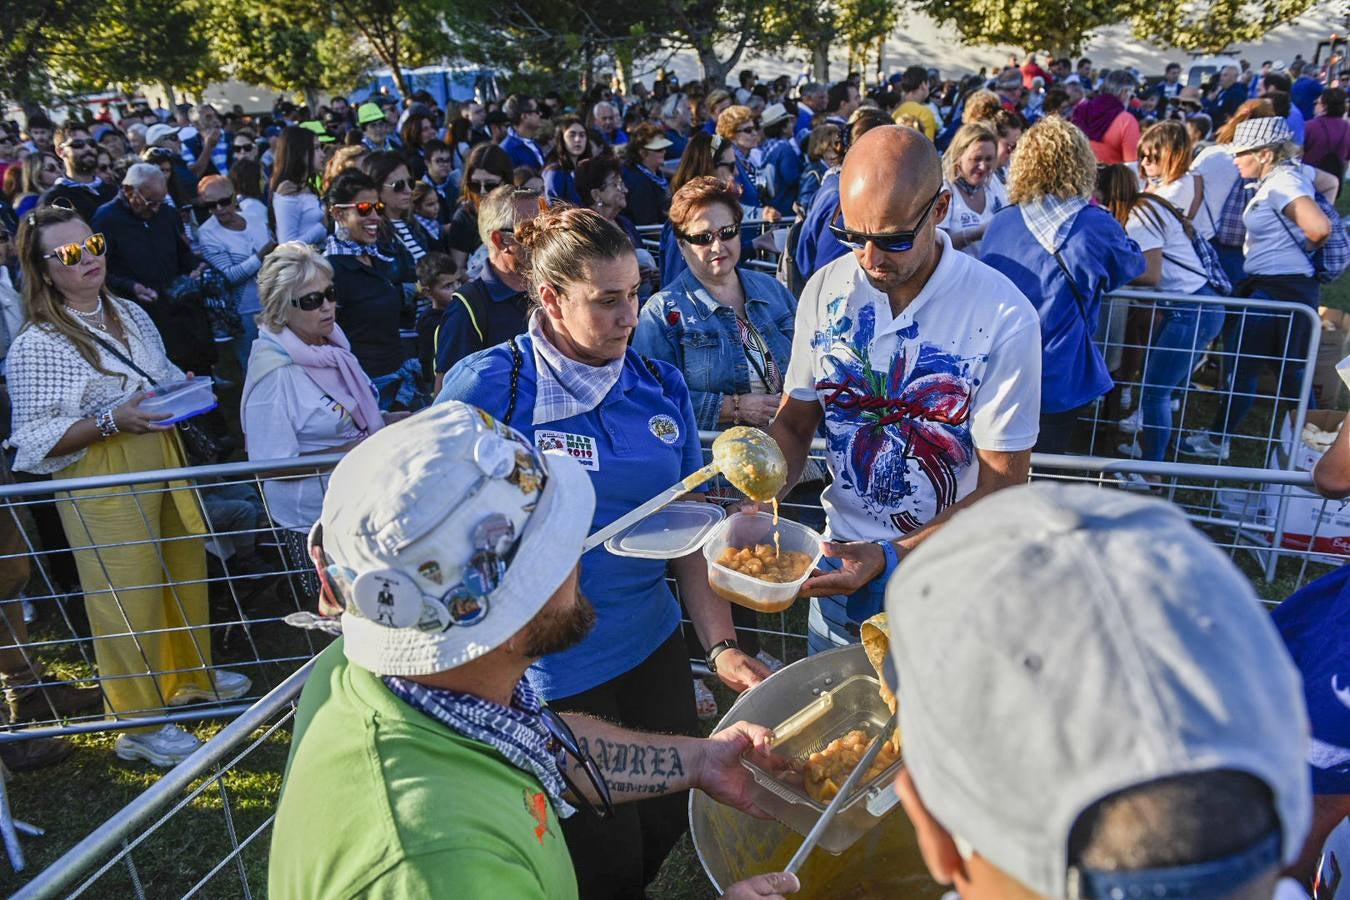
pixel 1057 644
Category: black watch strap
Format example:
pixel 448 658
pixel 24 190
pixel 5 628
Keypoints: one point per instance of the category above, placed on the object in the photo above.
pixel 716 650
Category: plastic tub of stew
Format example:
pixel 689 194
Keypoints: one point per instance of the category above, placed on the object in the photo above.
pixel 740 575
pixel 181 399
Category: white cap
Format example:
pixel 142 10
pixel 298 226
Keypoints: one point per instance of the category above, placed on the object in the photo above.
pixel 445 534
pixel 1057 644
pixel 156 133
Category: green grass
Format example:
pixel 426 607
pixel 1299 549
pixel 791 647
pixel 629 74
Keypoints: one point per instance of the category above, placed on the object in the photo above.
pixel 1337 294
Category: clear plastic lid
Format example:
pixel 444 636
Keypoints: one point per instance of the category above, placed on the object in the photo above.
pixel 675 530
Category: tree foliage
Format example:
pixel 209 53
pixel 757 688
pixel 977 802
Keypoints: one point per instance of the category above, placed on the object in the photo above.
pixel 1212 25
pixel 131 42
pixel 29 30
pixel 817 25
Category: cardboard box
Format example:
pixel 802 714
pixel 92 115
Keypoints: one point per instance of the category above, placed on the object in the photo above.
pixel 1311 522
pixel 1327 384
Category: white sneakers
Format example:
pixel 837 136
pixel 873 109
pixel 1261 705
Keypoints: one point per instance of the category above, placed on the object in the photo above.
pixel 168 746
pixel 1199 443
pixel 228 686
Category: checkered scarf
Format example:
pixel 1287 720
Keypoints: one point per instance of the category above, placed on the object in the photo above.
pixel 1050 218
pixel 565 387
pixel 514 731
pixel 337 246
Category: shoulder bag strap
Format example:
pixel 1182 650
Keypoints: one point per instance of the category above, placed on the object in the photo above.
pixel 1073 286
pixel 1199 197
pixel 126 359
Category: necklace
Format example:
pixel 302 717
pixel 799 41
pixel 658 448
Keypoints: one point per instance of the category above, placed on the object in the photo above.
pixel 93 318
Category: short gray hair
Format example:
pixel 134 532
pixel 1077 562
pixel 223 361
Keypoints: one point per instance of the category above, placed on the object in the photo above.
pixel 811 89
pixel 286 268
pixel 497 211
pixel 142 174
pixel 1118 80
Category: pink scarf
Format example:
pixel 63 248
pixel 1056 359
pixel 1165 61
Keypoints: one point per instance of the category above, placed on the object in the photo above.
pixel 336 371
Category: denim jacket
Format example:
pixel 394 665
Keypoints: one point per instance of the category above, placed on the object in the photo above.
pixel 685 326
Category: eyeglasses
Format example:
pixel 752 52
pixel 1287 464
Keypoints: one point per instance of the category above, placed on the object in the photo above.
pixel 562 738
pixel 78 144
pixel 244 148
pixel 747 129
pixel 725 234
pixel 158 154
pixel 71 254
pixel 312 301
pixel 402 186
pixel 364 208
pixel 895 242
pixel 213 205
pixel 149 204
pixel 105 167
pixel 484 185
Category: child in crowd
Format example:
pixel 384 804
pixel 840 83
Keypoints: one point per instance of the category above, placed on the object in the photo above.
pixel 437 280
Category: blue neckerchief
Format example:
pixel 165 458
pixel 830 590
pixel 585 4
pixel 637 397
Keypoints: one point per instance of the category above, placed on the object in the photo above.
pixel 514 731
pixel 337 246
pixel 658 180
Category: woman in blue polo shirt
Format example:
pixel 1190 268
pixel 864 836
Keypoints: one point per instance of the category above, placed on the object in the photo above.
pixel 571 383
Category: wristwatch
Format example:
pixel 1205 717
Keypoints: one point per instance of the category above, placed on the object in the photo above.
pixel 716 650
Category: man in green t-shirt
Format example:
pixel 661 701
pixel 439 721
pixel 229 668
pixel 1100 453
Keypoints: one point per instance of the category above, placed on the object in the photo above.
pixel 422 763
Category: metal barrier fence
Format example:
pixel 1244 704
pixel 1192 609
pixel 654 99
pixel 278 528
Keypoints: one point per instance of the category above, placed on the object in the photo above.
pixel 144 610
pixel 1219 499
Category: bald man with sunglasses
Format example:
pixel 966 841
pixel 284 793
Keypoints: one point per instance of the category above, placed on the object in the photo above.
pixel 924 365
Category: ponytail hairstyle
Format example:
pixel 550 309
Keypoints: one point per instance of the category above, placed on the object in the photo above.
pixel 563 240
pixel 43 305
pixel 1118 187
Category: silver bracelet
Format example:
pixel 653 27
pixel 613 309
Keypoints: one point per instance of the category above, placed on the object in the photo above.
pixel 105 423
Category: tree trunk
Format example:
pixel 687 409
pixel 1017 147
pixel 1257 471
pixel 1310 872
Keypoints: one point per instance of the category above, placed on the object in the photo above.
pixel 714 69
pixel 312 101
pixel 170 97
pixel 820 62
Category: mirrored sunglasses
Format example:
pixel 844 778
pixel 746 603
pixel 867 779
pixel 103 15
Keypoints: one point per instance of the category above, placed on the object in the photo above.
pixel 73 254
pixel 894 242
pixel 363 208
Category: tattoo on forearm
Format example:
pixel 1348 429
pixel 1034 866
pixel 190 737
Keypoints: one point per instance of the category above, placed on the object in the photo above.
pixel 635 768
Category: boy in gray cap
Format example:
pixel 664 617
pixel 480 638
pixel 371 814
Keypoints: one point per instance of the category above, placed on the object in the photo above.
pixel 422 764
pixel 1093 704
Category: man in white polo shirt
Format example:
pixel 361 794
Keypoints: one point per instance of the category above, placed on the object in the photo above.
pixel 925 365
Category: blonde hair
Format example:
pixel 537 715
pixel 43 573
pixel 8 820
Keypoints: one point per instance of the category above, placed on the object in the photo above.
pixel 967 136
pixel 731 119
pixel 1053 159
pixel 981 106
pixel 43 305
pixel 1170 142
pixel 563 240
pixel 286 268
pixel 908 121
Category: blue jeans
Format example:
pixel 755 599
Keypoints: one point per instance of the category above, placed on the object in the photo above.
pixel 1269 339
pixel 833 621
pixel 1172 353
pixel 243 345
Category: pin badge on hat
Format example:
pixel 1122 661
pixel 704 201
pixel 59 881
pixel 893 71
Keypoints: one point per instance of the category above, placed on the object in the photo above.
pixel 492 539
pixel 387 597
pixel 464 608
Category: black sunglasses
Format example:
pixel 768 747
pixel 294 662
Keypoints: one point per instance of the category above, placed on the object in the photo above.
pixel 78 144
pixel 562 738
pixel 894 242
pixel 705 238
pixel 401 186
pixel 212 205
pixel 311 302
pixel 244 148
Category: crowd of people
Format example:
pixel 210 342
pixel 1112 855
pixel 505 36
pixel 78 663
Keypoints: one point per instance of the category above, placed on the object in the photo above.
pixel 944 248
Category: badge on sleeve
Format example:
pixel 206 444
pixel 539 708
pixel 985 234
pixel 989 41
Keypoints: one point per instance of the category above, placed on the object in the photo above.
pixel 388 597
pixel 665 428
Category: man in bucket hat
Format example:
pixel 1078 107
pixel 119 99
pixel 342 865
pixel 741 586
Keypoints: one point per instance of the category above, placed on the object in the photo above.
pixel 1093 704
pixel 422 763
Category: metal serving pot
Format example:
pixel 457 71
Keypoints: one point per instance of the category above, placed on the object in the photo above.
pixel 731 845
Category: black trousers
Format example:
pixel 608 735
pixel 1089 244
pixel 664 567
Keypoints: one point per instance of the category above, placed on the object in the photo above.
pixel 617 858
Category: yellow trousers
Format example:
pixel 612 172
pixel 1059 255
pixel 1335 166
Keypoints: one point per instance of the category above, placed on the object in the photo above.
pixel 142 565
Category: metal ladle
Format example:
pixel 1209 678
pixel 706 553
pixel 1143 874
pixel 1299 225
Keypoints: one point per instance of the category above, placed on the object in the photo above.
pixel 749 459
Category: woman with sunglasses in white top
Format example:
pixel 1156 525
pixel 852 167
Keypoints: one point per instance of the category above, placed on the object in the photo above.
pixel 77 375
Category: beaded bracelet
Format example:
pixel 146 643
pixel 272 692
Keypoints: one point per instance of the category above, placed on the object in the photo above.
pixel 105 423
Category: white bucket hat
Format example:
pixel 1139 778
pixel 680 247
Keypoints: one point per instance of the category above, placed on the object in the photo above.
pixel 443 535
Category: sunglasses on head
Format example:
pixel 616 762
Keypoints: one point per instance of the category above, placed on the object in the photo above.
pixel 312 301
pixel 78 144
pixel 213 205
pixel 561 737
pixel 894 242
pixel 72 254
pixel 726 234
pixel 402 186
pixel 364 208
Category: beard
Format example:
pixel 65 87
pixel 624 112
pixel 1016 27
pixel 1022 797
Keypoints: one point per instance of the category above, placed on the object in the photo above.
pixel 85 163
pixel 555 630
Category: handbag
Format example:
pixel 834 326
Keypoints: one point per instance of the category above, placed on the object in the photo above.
pixel 200 445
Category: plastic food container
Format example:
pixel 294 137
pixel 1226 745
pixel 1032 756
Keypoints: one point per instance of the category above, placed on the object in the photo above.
pixel 854 704
pixel 675 530
pixel 748 529
pixel 181 399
